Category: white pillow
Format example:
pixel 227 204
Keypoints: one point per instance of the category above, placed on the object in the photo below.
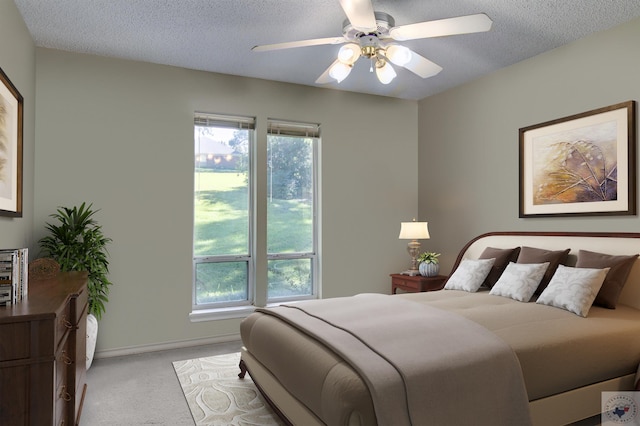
pixel 573 289
pixel 469 275
pixel 519 280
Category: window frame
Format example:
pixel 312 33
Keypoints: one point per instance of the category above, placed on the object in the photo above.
pixel 294 129
pixel 239 309
pixel 203 119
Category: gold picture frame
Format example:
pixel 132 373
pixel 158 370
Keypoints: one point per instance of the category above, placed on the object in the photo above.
pixel 11 126
pixel 584 164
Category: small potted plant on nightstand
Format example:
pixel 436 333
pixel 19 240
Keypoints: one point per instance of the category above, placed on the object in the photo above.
pixel 429 264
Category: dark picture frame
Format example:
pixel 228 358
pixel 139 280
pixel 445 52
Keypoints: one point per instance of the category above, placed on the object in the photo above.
pixel 11 128
pixel 580 165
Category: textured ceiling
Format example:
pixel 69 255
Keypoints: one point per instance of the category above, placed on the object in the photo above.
pixel 217 35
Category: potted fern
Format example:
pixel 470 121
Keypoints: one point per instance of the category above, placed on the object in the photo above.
pixel 77 243
pixel 429 264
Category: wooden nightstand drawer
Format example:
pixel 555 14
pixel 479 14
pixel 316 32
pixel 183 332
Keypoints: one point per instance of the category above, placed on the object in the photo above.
pixel 416 283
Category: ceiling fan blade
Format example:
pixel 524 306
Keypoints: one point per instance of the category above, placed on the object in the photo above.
pixel 325 77
pixel 301 43
pixel 360 14
pixel 421 66
pixel 443 27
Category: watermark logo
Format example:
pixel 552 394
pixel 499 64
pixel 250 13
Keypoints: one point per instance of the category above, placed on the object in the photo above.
pixel 620 408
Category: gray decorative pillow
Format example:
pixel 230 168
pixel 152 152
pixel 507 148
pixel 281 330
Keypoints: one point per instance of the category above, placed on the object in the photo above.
pixel 538 255
pixel 573 289
pixel 502 257
pixel 616 278
pixel 520 280
pixel 469 275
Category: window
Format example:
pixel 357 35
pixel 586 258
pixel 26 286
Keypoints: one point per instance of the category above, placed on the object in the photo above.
pixel 291 210
pixel 225 218
pixel 222 249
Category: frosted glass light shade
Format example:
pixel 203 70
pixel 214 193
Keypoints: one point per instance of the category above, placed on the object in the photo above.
pixel 339 71
pixel 414 231
pixel 349 53
pixel 385 73
pixel 399 55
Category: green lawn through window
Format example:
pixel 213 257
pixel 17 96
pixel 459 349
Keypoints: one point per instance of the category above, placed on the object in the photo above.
pixel 221 228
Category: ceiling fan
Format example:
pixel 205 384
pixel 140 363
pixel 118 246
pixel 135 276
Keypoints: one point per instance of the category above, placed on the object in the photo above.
pixel 373 35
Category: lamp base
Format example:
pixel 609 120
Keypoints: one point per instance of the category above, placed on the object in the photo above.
pixel 411 272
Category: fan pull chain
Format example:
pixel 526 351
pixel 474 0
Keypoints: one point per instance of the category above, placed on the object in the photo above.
pixel 371 66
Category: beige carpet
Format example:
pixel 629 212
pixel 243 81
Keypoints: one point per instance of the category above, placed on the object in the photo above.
pixel 216 396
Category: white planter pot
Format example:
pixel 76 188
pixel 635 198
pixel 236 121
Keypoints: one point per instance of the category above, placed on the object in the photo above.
pixel 92 337
pixel 429 269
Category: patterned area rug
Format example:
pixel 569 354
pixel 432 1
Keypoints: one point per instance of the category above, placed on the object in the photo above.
pixel 216 396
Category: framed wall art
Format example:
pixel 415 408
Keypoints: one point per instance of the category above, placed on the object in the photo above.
pixel 11 121
pixel 584 164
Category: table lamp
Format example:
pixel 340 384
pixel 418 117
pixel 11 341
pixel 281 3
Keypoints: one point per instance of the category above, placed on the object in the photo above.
pixel 413 231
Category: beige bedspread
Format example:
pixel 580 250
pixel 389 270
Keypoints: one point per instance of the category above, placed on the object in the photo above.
pixel 558 350
pixel 421 364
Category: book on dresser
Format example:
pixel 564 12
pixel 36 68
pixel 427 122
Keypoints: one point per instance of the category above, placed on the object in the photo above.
pixel 14 270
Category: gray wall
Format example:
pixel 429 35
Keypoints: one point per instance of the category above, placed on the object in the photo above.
pixel 468 151
pixel 17 60
pixel 120 134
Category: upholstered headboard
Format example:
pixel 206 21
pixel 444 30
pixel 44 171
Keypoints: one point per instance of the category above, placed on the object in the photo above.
pixel 620 243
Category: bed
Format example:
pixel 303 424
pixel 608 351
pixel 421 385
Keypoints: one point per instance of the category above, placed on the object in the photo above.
pixel 555 366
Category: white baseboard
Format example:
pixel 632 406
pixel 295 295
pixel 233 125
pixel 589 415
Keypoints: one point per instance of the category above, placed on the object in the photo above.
pixel 133 350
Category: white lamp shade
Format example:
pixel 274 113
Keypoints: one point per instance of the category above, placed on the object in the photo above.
pixel 339 71
pixel 414 231
pixel 399 55
pixel 349 53
pixel 385 73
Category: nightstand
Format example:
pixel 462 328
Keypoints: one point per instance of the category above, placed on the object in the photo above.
pixel 416 283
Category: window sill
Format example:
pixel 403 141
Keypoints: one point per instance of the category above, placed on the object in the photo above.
pixel 230 312
pixel 221 313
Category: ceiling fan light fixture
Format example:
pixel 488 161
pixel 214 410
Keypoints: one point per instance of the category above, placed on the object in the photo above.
pixel 374 36
pixel 339 71
pixel 385 72
pixel 399 55
pixel 349 53
pixel 369 45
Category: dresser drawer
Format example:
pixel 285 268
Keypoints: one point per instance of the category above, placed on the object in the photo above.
pixel 64 363
pixel 14 341
pixel 81 303
pixel 64 322
pixel 61 409
pixel 64 389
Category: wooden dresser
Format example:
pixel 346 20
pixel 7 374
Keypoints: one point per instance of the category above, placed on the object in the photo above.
pixel 42 353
